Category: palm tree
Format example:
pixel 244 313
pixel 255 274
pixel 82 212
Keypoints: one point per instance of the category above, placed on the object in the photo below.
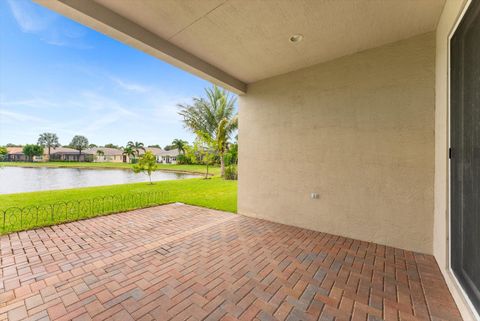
pixel 180 145
pixel 79 143
pixel 136 146
pixel 48 140
pixel 129 152
pixel 212 117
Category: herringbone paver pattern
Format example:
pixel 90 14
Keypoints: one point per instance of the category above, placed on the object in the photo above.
pixel 179 262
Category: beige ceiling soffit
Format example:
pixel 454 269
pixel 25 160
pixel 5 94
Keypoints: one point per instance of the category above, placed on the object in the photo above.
pixel 102 19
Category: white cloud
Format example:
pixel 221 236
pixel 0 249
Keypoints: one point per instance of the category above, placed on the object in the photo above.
pixel 104 120
pixel 30 102
pixel 97 113
pixel 31 18
pixel 98 102
pixel 130 86
pixel 167 113
pixel 8 116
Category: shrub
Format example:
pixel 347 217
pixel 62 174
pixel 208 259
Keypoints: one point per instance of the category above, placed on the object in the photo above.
pixel 3 153
pixel 31 150
pixel 231 173
pixel 146 164
pixel 183 160
pixel 231 156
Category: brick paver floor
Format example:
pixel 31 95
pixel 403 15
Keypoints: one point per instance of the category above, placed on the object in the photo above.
pixel 179 262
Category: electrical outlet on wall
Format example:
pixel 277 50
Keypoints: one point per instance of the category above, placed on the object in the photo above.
pixel 314 196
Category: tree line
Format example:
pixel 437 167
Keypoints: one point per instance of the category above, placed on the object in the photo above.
pixel 50 141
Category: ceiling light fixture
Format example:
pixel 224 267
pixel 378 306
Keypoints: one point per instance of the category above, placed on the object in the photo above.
pixel 296 38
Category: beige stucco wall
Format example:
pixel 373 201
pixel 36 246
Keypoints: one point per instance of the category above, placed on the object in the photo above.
pixel 448 19
pixel 359 131
pixel 108 158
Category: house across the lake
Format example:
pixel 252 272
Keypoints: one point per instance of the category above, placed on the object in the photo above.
pixel 154 150
pixel 163 156
pixel 15 154
pixel 66 154
pixel 106 154
pixel 168 156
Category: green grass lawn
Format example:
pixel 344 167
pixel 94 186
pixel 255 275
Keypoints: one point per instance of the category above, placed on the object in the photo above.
pixel 201 169
pixel 214 193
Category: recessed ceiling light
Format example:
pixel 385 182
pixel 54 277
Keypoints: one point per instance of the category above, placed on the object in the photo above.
pixel 296 38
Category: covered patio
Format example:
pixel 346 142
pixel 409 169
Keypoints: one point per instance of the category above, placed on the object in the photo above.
pixel 356 118
pixel 179 262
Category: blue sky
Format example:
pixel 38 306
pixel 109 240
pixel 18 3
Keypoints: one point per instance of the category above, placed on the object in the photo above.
pixel 59 76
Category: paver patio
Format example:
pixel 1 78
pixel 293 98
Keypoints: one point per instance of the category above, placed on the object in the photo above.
pixel 179 262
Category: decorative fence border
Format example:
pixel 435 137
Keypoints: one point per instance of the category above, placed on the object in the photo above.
pixel 21 218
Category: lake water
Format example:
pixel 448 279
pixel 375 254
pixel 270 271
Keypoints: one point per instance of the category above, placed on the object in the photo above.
pixel 24 179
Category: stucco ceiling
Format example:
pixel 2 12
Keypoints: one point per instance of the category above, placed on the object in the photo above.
pixel 249 39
